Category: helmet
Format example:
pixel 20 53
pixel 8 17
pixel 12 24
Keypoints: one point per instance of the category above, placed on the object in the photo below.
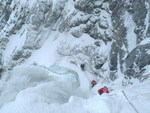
pixel 105 87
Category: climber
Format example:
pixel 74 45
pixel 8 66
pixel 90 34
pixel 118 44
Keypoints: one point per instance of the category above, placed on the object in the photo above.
pixel 93 83
pixel 103 90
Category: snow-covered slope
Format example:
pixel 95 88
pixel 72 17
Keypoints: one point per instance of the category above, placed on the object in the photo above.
pixel 104 35
pixel 58 89
pixel 50 50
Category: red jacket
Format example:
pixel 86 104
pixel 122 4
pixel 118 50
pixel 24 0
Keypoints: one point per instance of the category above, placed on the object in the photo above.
pixel 93 83
pixel 103 90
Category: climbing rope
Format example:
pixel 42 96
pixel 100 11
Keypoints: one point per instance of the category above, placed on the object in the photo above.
pixel 129 102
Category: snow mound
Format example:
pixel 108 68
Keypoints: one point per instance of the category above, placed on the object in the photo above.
pixel 21 77
pixel 29 82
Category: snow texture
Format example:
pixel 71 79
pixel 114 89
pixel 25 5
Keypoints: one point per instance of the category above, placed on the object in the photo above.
pixel 36 89
pixel 43 44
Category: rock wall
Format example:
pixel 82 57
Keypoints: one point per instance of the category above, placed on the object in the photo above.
pixel 121 24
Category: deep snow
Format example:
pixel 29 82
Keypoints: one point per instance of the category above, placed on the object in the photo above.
pixel 34 89
pixel 51 83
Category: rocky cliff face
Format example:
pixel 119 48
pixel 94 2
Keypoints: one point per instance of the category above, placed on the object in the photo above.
pixel 121 26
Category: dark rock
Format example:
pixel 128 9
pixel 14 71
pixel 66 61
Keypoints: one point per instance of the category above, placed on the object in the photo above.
pixel 77 33
pixel 148 31
pixel 137 30
pixel 140 10
pixel 26 54
pixel 3 43
pixel 113 4
pixel 38 18
pixel 106 0
pixel 94 32
pixel 131 58
pixel 137 59
pixel 8 2
pixel 79 21
pixel 1 69
pixel 103 24
pixel 108 35
pixel 114 56
pixel 45 7
pixel 97 43
pixel 84 5
pixel 17 55
pixel 88 27
pixel 139 16
pixel 64 26
pixel 98 66
pixel 55 14
pixel 82 67
pixel 131 10
pixel 130 72
pixel 97 11
pixel 113 75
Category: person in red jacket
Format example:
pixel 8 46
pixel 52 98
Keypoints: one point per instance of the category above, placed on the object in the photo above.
pixel 93 83
pixel 103 90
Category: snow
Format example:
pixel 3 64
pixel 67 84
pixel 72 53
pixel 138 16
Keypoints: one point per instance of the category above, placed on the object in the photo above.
pixel 15 43
pixel 139 96
pixel 145 41
pixel 147 18
pixel 105 49
pixel 57 89
pixel 69 8
pixel 47 54
pixel 51 83
pixel 130 35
